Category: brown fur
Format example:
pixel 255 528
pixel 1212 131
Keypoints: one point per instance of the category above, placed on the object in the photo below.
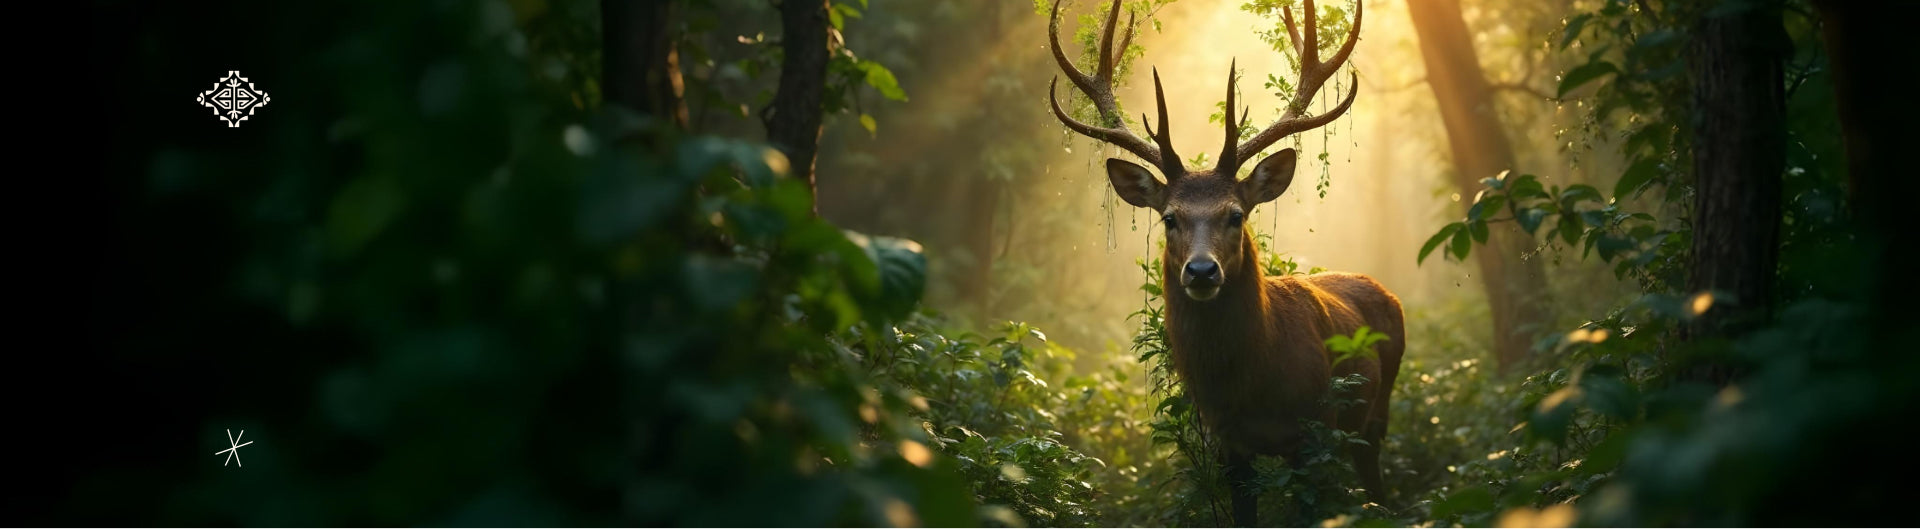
pixel 1250 348
pixel 1255 361
pixel 1253 356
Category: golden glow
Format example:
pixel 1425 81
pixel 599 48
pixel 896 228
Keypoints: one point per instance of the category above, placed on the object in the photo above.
pixel 775 160
pixel 1057 261
pixel 1558 515
pixel 1013 473
pixel 1579 335
pixel 1700 303
pixel 916 453
pixel 1556 398
pixel 1585 335
pixel 900 514
pixel 1730 396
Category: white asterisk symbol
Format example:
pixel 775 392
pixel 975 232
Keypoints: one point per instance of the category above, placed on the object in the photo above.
pixel 233 454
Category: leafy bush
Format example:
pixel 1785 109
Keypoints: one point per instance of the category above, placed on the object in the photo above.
pixel 443 286
pixel 450 294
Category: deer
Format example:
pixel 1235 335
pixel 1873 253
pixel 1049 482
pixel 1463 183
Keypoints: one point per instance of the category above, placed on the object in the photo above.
pixel 1250 348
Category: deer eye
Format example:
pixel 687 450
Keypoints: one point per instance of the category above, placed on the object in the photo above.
pixel 1234 219
pixel 1168 220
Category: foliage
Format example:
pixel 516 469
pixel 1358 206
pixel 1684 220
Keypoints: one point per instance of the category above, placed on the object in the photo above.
pixel 731 65
pixel 1194 477
pixel 994 406
pixel 445 287
pixel 490 304
pixel 1617 428
pixel 1359 345
pixel 1576 215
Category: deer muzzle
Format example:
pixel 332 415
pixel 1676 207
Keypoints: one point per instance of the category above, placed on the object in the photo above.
pixel 1201 278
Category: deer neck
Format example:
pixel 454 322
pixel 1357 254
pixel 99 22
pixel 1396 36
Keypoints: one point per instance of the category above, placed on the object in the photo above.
pixel 1230 324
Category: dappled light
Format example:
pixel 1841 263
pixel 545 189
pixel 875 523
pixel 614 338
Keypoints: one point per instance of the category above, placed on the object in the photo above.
pixel 886 263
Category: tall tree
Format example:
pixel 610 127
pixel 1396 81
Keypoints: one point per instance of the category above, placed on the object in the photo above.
pixel 640 62
pixel 793 125
pixel 1739 99
pixel 1858 36
pixel 1515 286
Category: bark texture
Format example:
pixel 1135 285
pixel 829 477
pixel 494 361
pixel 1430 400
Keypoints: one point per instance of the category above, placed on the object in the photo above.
pixel 640 62
pixel 1739 99
pixel 793 125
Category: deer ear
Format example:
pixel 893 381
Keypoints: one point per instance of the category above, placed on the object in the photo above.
pixel 1269 179
pixel 1135 185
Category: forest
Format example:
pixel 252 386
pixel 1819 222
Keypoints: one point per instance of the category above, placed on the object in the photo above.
pixel 872 263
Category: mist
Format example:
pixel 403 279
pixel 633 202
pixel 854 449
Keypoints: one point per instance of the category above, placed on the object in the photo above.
pixel 1064 250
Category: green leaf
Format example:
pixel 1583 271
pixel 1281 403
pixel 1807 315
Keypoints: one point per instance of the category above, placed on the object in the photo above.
pixel 1636 177
pixel 880 78
pixel 1578 192
pixel 1574 25
pixel 1487 206
pixel 1548 419
pixel 1462 243
pixel 866 122
pixel 1497 182
pixel 850 11
pixel 840 13
pixel 902 273
pixel 1569 228
pixel 1611 246
pixel 716 283
pixel 1607 392
pixel 1583 74
pixel 1606 455
pixel 1479 230
pixel 1594 218
pixel 1435 241
pixel 1651 139
pixel 1527 186
pixel 1530 219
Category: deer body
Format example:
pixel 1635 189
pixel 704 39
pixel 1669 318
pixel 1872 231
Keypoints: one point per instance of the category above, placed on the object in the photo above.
pixel 1255 361
pixel 1251 349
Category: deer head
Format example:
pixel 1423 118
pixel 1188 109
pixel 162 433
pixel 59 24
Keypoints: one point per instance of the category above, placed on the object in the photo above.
pixel 1203 210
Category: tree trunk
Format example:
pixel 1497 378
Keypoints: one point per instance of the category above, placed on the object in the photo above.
pixel 1515 286
pixel 640 62
pixel 794 126
pixel 1857 36
pixel 977 199
pixel 1739 99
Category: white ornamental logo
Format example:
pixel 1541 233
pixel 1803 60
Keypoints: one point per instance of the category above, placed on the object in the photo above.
pixel 232 102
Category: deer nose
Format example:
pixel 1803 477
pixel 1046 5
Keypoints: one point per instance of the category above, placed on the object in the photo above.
pixel 1204 270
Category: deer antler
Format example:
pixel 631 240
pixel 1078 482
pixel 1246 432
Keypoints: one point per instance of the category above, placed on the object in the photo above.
pixel 1099 88
pixel 1313 75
